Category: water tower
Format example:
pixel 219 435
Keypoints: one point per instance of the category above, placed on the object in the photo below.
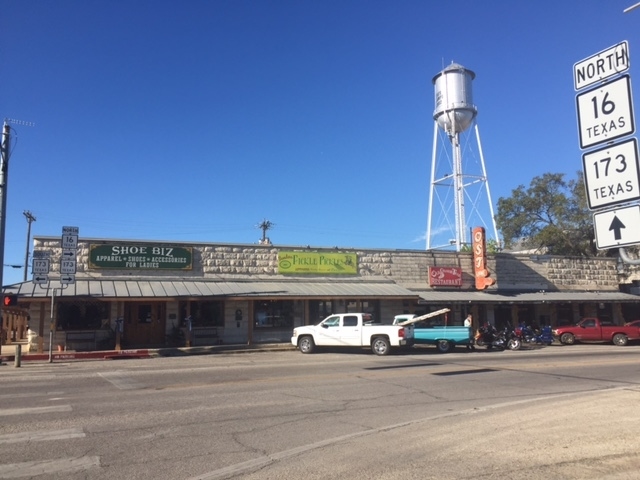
pixel 454 114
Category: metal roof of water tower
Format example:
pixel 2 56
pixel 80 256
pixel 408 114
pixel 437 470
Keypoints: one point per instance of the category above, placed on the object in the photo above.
pixel 454 101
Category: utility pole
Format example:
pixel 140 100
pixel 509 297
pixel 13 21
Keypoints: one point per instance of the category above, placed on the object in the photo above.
pixel 5 152
pixel 4 175
pixel 30 218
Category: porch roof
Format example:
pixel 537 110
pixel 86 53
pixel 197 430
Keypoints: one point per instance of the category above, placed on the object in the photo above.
pixel 187 288
pixel 502 296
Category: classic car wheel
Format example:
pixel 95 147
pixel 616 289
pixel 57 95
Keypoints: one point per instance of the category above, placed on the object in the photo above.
pixel 306 345
pixel 443 346
pixel 620 339
pixel 380 346
pixel 567 339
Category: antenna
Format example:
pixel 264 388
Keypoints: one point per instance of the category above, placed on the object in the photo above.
pixel 24 123
pixel 264 226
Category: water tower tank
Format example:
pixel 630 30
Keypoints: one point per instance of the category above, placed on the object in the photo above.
pixel 454 102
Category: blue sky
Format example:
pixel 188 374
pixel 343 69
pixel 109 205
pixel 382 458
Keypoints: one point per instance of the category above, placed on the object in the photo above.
pixel 196 120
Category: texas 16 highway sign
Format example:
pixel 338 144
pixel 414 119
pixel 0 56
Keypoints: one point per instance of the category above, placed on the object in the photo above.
pixel 617 228
pixel 605 113
pixel 612 174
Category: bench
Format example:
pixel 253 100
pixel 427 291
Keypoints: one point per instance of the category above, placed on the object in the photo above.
pixel 204 336
pixel 80 340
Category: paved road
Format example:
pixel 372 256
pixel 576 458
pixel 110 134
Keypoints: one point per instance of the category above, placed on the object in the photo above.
pixel 555 412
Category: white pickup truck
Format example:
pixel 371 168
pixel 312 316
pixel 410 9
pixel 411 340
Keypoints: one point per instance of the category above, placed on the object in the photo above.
pixel 352 330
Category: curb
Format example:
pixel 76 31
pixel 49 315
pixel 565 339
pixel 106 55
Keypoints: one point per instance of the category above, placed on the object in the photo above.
pixel 147 353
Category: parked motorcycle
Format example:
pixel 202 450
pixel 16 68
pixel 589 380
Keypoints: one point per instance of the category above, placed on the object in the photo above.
pixel 490 337
pixel 529 335
pixel 514 341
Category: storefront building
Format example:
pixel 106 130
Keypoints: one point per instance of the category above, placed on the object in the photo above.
pixel 159 294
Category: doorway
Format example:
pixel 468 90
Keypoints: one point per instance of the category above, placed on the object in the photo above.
pixel 144 324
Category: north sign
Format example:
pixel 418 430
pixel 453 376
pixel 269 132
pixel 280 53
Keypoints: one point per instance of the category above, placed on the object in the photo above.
pixel 605 113
pixel 612 174
pixel 617 228
pixel 607 63
pixel 70 231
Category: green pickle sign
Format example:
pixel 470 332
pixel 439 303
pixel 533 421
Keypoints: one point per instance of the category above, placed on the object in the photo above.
pixel 148 257
pixel 312 262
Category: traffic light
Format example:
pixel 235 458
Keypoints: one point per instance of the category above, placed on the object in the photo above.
pixel 10 300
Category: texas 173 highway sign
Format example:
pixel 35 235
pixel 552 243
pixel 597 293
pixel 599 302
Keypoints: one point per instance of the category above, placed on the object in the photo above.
pixel 612 174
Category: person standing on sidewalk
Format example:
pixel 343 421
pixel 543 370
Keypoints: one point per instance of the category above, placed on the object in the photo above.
pixel 468 322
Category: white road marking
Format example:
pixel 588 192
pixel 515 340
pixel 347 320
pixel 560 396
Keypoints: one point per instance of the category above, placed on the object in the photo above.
pixel 63 465
pixel 33 410
pixel 42 436
pixel 121 380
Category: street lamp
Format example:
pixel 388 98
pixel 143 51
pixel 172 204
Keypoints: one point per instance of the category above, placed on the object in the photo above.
pixel 632 7
pixel 30 218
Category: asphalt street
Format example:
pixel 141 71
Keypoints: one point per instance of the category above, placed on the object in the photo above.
pixel 554 412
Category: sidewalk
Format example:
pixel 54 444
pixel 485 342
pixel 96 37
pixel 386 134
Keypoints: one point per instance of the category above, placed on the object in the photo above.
pixel 9 351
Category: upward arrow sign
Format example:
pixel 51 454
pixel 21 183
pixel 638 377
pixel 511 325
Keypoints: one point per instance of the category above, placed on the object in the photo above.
pixel 616 226
pixel 623 223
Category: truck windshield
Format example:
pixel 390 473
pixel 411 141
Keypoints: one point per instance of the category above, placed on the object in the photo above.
pixel 332 322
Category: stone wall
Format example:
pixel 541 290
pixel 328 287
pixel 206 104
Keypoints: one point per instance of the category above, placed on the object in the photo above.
pixel 406 267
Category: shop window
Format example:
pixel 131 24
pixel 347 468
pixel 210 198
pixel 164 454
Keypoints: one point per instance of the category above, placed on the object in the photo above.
pixel 564 313
pixel 319 310
pixel 82 315
pixel 351 306
pixel 145 315
pixel 364 306
pixel 205 313
pixel 273 313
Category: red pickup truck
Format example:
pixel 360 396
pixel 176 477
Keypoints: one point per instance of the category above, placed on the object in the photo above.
pixel 593 330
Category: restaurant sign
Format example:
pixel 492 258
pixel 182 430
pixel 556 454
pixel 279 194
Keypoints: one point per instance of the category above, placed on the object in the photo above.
pixel 315 262
pixel 445 276
pixel 148 257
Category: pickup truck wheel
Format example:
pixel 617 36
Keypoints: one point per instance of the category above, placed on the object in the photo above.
pixel 443 346
pixel 306 344
pixel 620 339
pixel 380 346
pixel 567 339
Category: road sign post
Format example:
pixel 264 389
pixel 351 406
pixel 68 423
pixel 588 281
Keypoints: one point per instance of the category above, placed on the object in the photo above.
pixel 68 261
pixel 611 173
pixel 40 267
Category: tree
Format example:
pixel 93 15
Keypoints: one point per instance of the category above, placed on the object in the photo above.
pixel 551 215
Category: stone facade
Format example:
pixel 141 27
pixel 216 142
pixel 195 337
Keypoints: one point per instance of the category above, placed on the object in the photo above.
pixel 408 268
pixel 212 262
